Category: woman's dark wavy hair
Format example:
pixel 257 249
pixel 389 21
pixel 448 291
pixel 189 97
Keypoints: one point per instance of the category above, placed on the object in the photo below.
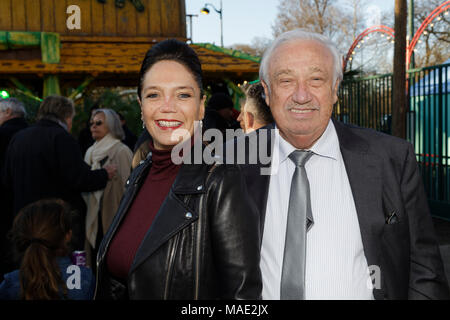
pixel 39 232
pixel 172 50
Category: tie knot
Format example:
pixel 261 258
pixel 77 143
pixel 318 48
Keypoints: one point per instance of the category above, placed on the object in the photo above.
pixel 300 157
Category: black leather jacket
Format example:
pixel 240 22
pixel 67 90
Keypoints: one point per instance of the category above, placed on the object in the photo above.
pixel 203 243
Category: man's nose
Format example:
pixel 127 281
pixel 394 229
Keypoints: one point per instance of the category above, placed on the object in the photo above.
pixel 302 94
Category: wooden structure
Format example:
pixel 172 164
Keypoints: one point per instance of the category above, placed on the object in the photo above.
pixel 40 51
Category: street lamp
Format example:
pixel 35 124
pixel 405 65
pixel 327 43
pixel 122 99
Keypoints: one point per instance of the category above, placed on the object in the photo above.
pixel 205 10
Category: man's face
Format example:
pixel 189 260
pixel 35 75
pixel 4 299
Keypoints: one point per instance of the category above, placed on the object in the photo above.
pixel 302 91
pixel 246 118
pixel 241 118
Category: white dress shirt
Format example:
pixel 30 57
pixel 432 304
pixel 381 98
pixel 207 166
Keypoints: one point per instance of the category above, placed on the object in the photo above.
pixel 336 267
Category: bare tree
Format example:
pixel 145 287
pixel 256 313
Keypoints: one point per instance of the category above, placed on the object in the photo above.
pixel 321 16
pixel 357 10
pixel 433 47
pixel 257 46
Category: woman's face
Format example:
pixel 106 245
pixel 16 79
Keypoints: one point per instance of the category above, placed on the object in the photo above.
pixel 98 127
pixel 170 103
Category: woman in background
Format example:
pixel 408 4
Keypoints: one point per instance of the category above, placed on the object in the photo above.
pixel 107 149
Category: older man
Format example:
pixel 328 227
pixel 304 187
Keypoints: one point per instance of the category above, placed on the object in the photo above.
pixel 344 214
pixel 12 120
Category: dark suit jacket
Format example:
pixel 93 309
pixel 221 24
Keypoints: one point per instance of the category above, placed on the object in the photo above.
pixel 395 222
pixel 7 130
pixel 44 161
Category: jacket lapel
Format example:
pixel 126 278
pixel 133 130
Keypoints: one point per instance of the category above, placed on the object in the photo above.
pixel 174 214
pixel 257 175
pixel 365 177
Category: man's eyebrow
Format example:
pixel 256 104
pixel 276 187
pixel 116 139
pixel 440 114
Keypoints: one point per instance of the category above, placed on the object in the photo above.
pixel 281 72
pixel 317 69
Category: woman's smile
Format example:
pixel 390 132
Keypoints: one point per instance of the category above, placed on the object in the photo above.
pixel 166 124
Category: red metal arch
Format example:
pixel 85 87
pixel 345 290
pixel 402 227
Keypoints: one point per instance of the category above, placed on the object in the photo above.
pixel 410 47
pixel 434 14
pixel 379 28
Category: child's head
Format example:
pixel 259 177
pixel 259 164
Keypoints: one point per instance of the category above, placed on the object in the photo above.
pixel 41 231
pixel 43 225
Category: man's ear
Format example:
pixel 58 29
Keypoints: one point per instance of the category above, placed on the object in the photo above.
pixel 266 92
pixel 335 91
pixel 250 120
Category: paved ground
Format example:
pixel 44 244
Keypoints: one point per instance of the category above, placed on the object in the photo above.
pixel 442 228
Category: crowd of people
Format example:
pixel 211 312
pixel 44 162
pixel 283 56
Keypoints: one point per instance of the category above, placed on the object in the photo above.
pixel 339 202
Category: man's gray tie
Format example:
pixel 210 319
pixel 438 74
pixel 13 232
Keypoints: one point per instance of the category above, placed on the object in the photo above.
pixel 299 221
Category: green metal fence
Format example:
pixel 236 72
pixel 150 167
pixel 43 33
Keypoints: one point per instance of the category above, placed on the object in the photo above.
pixel 428 125
pixel 367 102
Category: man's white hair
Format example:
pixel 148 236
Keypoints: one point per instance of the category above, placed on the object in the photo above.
pixel 15 105
pixel 298 35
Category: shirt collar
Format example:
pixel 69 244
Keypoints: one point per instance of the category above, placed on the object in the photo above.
pixel 326 146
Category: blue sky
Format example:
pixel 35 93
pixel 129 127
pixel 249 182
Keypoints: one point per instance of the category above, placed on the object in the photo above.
pixel 243 19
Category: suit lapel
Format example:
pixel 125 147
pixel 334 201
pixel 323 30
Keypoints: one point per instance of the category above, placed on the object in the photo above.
pixel 258 176
pixel 365 177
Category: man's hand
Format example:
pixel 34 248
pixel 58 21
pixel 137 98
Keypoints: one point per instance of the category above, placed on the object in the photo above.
pixel 111 169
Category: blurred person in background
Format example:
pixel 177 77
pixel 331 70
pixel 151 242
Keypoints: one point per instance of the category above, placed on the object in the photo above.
pixel 130 138
pixel 108 149
pixel 85 136
pixel 219 113
pixel 255 113
pixel 44 161
pixel 12 120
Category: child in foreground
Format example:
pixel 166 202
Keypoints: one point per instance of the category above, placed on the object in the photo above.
pixel 41 234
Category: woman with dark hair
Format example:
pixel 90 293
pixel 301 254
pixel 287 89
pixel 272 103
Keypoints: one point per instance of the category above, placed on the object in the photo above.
pixel 41 233
pixel 181 231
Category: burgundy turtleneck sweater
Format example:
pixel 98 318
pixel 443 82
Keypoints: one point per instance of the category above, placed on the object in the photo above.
pixel 141 214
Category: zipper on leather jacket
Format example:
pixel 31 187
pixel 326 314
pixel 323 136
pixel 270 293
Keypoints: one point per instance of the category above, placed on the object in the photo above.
pixel 197 257
pixel 197 251
pixel 172 256
pixel 199 233
pixel 102 257
pixel 173 250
